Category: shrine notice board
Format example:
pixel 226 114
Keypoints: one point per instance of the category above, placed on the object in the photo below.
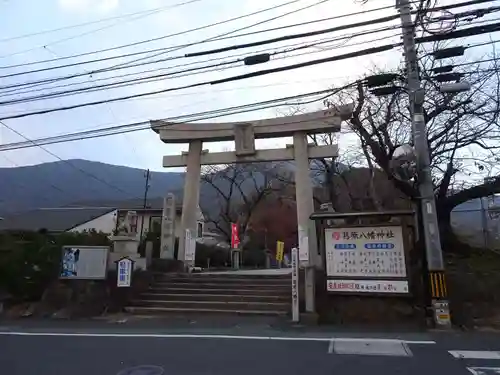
pixel 366 260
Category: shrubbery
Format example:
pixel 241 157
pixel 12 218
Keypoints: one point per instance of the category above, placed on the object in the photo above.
pixel 30 261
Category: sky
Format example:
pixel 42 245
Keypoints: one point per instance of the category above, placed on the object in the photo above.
pixel 52 29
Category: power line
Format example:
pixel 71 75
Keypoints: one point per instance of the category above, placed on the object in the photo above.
pixel 174 34
pixel 90 32
pixel 94 22
pixel 215 82
pixel 175 74
pixel 66 161
pixel 168 49
pixel 294 36
pixel 225 33
pixel 129 64
pixel 35 83
pixel 218 39
pixel 451 35
pixel 132 127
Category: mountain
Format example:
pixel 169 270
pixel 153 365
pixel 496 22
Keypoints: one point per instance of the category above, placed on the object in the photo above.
pixel 86 183
pixel 63 183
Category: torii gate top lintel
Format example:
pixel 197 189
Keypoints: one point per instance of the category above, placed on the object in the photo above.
pixel 313 122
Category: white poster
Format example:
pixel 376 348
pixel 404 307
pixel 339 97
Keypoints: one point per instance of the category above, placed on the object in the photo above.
pixel 368 286
pixel 303 245
pixel 190 245
pixel 371 252
pixel 84 262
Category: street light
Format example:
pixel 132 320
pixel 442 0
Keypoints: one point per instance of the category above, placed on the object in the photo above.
pixel 403 163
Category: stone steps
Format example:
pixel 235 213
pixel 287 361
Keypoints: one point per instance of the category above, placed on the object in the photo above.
pixel 215 305
pixel 222 280
pixel 235 294
pixel 215 297
pixel 158 311
pixel 220 285
pixel 194 290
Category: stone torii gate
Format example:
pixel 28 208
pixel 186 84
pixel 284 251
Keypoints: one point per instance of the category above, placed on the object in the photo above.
pixel 244 135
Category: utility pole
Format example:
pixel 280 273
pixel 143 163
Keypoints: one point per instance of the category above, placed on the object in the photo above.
pixel 147 175
pixel 434 255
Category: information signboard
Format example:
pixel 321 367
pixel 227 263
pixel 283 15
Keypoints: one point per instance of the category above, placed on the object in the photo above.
pixel 84 262
pixel 367 252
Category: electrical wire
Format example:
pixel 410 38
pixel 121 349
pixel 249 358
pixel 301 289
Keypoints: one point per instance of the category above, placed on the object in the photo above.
pixel 168 49
pixel 452 35
pixel 94 22
pixel 364 52
pixel 193 29
pixel 175 74
pixel 144 79
pixel 143 125
pixel 293 36
pixel 218 39
pixel 13 87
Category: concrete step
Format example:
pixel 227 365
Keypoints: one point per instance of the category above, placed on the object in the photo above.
pixel 211 285
pixel 158 311
pixel 194 290
pixel 216 305
pixel 215 297
pixel 223 275
pixel 223 280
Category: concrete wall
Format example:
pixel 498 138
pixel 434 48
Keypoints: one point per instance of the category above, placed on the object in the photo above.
pixel 105 223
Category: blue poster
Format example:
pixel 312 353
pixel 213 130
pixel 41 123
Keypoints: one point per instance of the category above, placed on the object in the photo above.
pixel 70 262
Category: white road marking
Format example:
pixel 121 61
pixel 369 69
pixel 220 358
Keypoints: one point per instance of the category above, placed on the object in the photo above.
pixel 484 370
pixel 330 346
pixel 475 354
pixel 201 336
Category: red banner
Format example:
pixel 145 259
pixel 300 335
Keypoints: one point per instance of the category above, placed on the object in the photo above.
pixel 235 239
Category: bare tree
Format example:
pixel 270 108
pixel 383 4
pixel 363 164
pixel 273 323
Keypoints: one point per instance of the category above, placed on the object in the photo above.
pixel 462 131
pixel 232 193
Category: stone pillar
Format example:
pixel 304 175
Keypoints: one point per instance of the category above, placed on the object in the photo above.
pixel 191 197
pixel 167 246
pixel 305 207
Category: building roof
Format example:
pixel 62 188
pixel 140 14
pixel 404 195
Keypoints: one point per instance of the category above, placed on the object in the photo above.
pixel 61 219
pixel 51 219
pixel 130 204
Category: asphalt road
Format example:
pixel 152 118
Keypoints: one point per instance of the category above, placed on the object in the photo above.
pixel 105 352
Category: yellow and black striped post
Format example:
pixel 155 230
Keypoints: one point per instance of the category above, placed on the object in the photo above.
pixel 439 296
pixel 437 284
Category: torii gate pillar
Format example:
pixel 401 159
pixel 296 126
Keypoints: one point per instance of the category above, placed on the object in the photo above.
pixel 190 201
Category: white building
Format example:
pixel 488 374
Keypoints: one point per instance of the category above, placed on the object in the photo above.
pixel 99 216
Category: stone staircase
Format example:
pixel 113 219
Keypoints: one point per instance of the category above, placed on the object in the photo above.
pixel 215 293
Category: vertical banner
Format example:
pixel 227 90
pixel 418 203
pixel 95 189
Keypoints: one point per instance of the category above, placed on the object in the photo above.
pixel 190 244
pixel 295 285
pixel 167 246
pixel 235 238
pixel 280 249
